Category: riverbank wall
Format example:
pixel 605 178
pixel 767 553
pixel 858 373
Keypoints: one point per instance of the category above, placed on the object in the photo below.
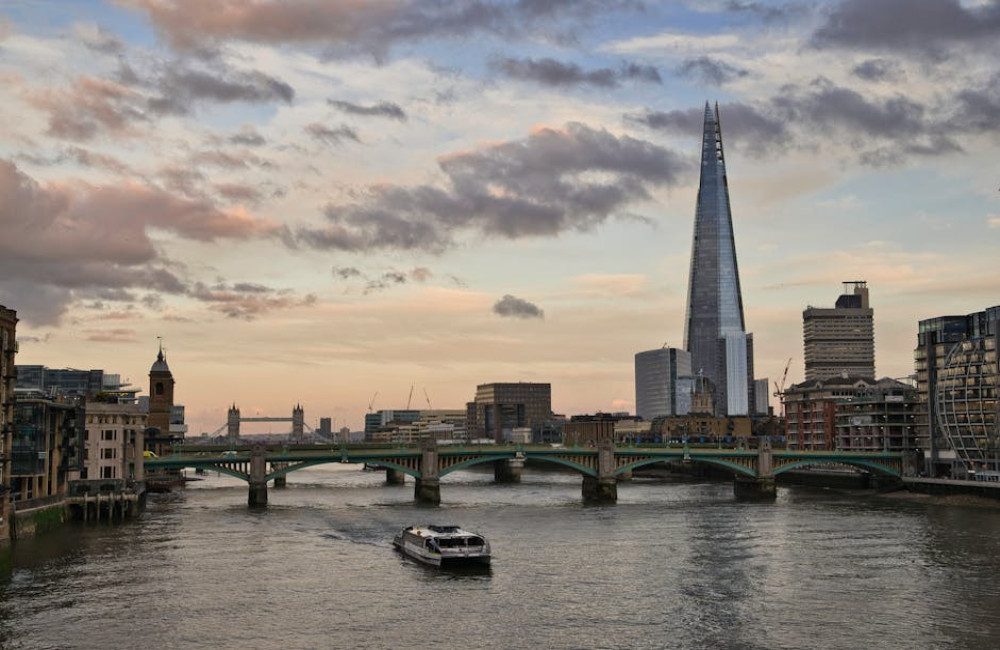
pixel 36 516
pixel 939 486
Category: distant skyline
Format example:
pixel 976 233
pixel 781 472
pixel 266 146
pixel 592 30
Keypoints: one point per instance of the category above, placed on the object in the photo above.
pixel 315 201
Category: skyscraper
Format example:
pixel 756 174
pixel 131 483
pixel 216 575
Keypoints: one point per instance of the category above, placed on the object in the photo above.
pixel 840 341
pixel 663 383
pixel 714 331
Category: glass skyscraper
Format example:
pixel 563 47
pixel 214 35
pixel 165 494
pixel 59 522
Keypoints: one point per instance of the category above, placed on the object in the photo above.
pixel 714 331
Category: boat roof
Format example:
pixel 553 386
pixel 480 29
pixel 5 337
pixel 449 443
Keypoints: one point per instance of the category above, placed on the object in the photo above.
pixel 439 530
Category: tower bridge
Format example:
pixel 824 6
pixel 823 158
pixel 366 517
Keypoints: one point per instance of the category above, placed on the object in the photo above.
pixel 234 420
pixel 753 470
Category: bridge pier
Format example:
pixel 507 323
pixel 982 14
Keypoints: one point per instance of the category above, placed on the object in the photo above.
pixel 761 487
pixel 508 470
pixel 428 484
pixel 280 481
pixel 755 489
pixel 258 484
pixel 597 490
pixel 427 491
pixel 394 476
pixel 602 488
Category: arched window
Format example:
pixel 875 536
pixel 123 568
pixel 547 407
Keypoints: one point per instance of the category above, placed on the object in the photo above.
pixel 159 388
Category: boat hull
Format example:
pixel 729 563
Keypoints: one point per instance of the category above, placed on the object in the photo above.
pixel 445 559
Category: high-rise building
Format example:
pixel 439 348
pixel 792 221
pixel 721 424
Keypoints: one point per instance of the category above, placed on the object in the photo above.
pixel 500 408
pixel 714 331
pixel 663 383
pixel 958 383
pixel 761 405
pixel 840 342
pixel 8 346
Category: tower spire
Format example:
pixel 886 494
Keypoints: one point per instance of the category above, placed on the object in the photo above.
pixel 714 329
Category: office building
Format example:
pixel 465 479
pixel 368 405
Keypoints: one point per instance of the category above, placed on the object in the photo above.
pixel 714 331
pixel 840 341
pixel 501 407
pixel 663 383
pixel 46 443
pixel 762 402
pixel 957 383
pixel 8 347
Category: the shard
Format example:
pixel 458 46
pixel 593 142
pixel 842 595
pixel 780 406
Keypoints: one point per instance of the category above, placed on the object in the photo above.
pixel 714 331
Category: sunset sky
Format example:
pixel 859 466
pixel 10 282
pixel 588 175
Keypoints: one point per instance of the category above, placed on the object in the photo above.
pixel 313 201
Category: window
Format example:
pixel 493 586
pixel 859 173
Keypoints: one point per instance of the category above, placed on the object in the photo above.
pixel 159 388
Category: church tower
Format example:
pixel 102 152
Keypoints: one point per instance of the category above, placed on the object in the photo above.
pixel 161 400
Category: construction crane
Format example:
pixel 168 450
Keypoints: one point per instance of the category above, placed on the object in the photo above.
pixel 372 402
pixel 410 398
pixel 427 397
pixel 779 389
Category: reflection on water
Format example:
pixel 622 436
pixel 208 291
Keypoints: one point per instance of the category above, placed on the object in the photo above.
pixel 670 565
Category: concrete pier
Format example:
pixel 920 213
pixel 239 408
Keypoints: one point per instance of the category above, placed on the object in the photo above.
pixel 508 471
pixel 754 489
pixel 599 491
pixel 257 495
pixel 428 486
pixel 604 487
pixel 394 476
pixel 427 491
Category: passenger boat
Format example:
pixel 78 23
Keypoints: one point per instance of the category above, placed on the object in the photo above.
pixel 443 546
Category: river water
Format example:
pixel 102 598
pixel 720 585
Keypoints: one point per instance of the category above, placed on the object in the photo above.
pixel 671 565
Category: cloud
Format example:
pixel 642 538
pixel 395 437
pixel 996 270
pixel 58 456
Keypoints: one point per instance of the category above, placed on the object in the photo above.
pixel 925 28
pixel 82 157
pixel 381 109
pixel 878 70
pixel 346 272
pixel 710 71
pixel 247 136
pixel 373 27
pixel 743 125
pixel 247 301
pixel 179 88
pixel 549 72
pixel 767 12
pixel 330 136
pixel 93 106
pixel 98 39
pixel 384 280
pixel 237 193
pixel 513 307
pixel 111 336
pixel 875 130
pixel 90 106
pixel 552 181
pixel 993 221
pixel 63 241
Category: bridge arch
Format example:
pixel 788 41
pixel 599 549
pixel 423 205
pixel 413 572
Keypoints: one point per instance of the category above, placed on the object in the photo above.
pixel 735 468
pixel 478 460
pixel 859 463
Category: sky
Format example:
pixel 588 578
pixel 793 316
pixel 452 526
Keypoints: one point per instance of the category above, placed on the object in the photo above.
pixel 369 203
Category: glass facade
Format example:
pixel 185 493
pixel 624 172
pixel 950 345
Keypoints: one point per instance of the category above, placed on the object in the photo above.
pixel 714 330
pixel 663 383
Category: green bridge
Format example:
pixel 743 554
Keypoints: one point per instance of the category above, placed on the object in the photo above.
pixel 601 467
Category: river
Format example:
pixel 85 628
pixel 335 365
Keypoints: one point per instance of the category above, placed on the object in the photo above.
pixel 671 565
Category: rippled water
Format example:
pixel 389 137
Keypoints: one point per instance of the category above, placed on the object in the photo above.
pixel 670 565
